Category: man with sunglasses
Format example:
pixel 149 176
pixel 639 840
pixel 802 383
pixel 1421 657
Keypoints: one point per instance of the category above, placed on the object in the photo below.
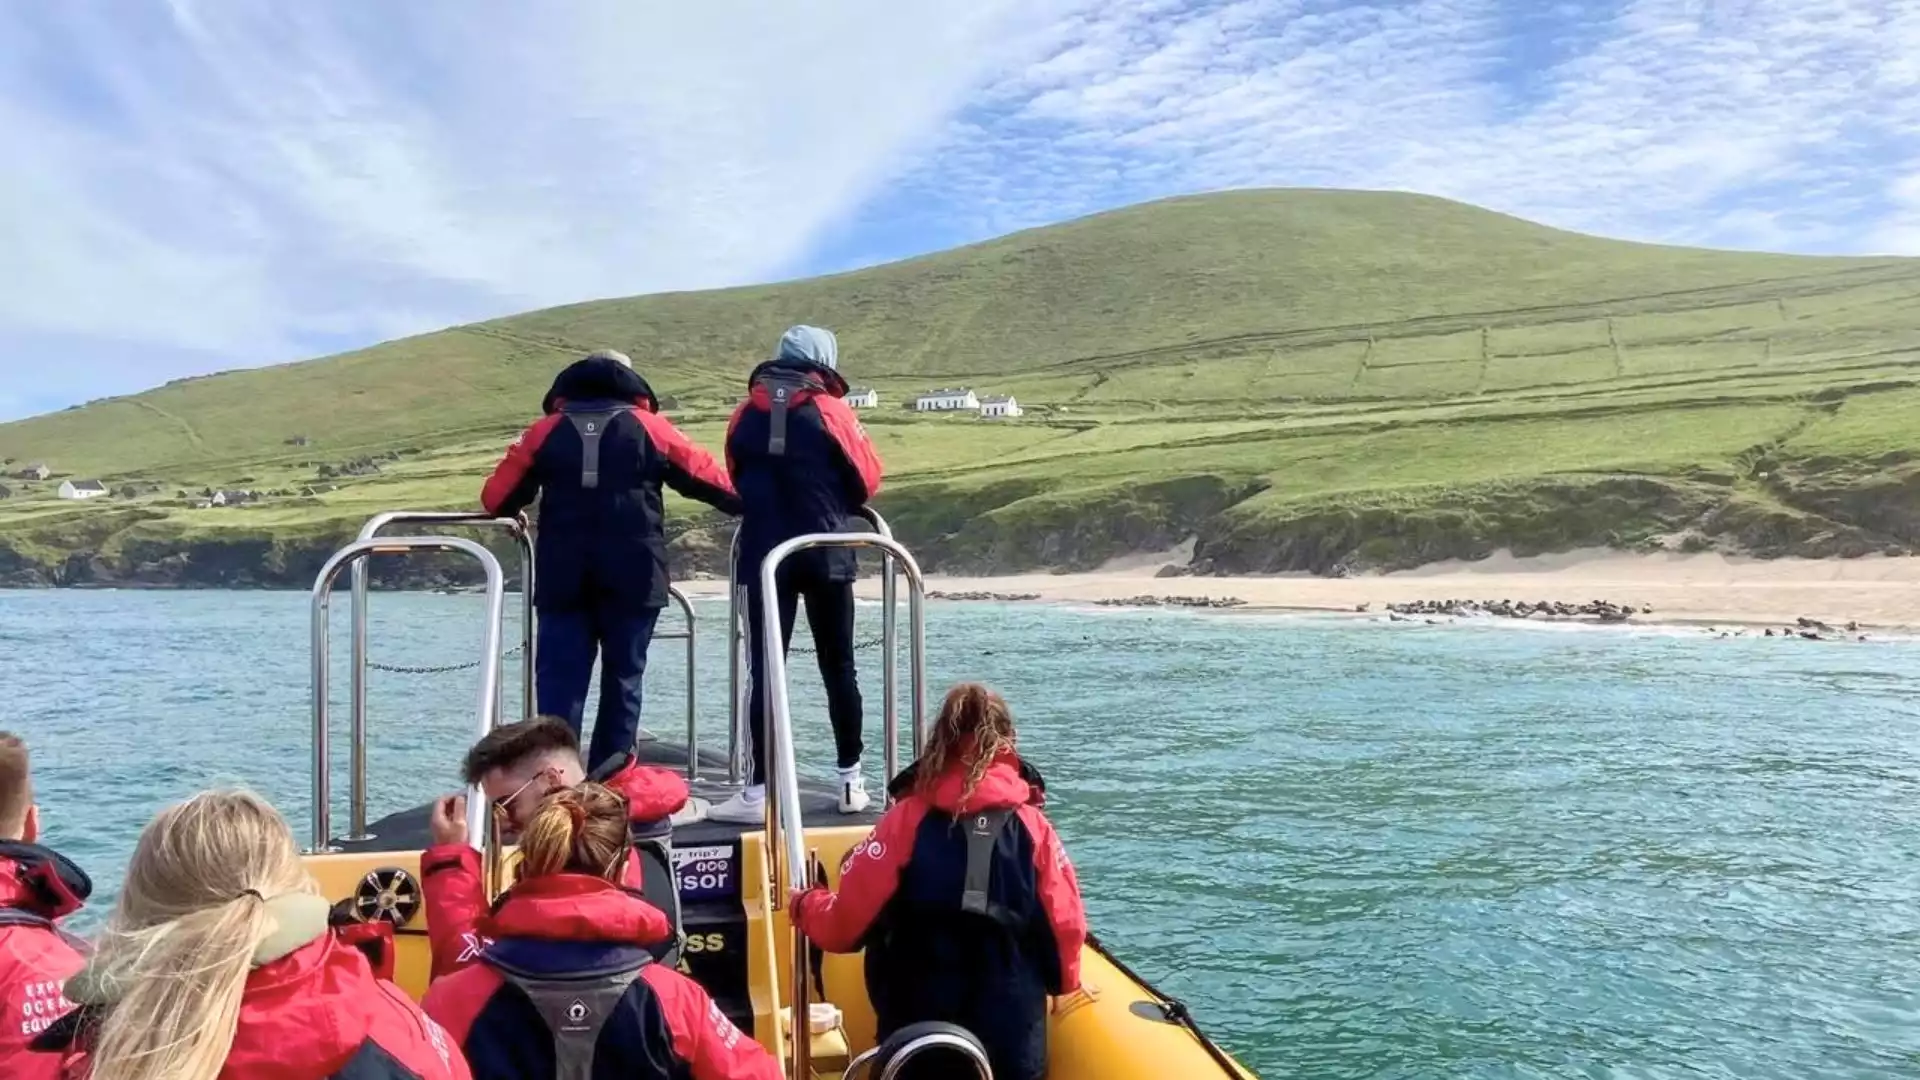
pixel 516 766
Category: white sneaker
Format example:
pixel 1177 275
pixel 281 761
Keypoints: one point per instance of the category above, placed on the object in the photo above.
pixel 853 792
pixel 749 807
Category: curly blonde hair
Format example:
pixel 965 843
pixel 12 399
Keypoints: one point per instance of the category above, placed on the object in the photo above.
pixel 975 726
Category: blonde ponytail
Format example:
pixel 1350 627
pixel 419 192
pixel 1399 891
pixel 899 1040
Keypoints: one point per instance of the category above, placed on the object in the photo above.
pixel 175 957
pixel 577 830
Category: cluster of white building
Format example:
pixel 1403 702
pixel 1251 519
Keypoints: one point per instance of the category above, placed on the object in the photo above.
pixel 950 399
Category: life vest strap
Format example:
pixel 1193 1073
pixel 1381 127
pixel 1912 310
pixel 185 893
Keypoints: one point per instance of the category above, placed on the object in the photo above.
pixel 575 1010
pixel 781 389
pixel 591 424
pixel 983 835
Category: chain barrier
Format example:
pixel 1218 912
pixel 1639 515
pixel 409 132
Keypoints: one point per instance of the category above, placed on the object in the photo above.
pixel 448 669
pixel 436 669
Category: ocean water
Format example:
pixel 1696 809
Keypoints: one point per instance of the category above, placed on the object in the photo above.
pixel 1356 850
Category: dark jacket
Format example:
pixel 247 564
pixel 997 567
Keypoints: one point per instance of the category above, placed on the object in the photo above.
pixel 903 897
pixel 597 461
pixel 318 1012
pixel 568 973
pixel 37 888
pixel 825 471
pixel 455 892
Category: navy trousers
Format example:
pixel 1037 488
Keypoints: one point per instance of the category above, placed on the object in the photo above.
pixel 563 668
pixel 830 615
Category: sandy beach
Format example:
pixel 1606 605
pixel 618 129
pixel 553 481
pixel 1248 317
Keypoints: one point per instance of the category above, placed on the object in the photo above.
pixel 1704 589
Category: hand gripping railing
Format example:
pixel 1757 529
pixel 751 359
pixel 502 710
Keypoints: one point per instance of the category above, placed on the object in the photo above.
pixel 786 845
pixel 357 703
pixel 488 710
pixel 889 659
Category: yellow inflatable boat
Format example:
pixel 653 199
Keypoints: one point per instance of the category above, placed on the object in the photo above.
pixel 725 882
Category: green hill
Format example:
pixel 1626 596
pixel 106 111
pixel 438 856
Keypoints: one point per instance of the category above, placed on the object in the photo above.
pixel 1301 379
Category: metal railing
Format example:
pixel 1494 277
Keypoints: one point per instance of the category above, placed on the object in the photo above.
pixel 786 847
pixel 739 660
pixel 522 533
pixel 488 711
pixel 357 702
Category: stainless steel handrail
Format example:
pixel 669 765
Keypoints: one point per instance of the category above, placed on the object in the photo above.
pixel 889 659
pixel 786 830
pixel 982 1068
pixel 357 703
pixel 783 804
pixel 488 710
pixel 686 609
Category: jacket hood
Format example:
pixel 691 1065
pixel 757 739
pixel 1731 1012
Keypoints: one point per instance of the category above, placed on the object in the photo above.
pixel 599 378
pixel 1008 781
pixel 813 375
pixel 41 881
pixel 315 1006
pixel 576 907
pixel 652 793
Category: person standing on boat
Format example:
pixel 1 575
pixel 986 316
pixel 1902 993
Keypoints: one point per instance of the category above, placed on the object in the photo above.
pixel 962 896
pixel 37 888
pixel 596 462
pixel 802 464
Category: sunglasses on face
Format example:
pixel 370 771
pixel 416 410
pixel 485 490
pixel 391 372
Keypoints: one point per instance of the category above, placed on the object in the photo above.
pixel 503 806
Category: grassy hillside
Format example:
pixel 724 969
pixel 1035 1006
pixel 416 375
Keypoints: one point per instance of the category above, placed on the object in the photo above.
pixel 1300 378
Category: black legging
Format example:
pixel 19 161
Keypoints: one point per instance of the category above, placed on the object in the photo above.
pixel 830 614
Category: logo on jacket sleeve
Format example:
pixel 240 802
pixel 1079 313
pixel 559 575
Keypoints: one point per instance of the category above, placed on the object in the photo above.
pixel 471 945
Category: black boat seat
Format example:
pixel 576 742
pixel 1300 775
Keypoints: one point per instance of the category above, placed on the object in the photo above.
pixel 929 1050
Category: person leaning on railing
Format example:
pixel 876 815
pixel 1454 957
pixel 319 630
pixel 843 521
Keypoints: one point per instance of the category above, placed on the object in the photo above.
pixel 802 464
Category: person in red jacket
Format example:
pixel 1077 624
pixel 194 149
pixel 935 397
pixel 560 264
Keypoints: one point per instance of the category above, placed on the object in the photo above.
pixel 517 765
pixel 596 462
pixel 962 895
pixel 567 986
pixel 219 964
pixel 37 888
pixel 802 464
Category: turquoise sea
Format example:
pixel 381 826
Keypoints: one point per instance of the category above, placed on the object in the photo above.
pixel 1357 850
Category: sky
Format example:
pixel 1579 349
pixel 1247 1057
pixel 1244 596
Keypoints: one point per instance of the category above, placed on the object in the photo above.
pixel 191 187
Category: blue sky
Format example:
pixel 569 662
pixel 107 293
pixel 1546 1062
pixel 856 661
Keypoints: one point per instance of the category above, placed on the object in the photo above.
pixel 198 186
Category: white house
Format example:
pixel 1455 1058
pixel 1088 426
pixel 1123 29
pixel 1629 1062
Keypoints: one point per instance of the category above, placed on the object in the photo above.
pixel 992 407
pixel 862 397
pixel 947 400
pixel 35 471
pixel 82 489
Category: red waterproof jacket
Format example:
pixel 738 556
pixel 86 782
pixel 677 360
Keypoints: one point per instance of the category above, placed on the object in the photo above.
pixel 967 908
pixel 456 895
pixel 567 983
pixel 319 1013
pixel 37 887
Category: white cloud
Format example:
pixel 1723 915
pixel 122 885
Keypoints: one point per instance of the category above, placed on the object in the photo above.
pixel 240 181
pixel 1743 123
pixel 199 184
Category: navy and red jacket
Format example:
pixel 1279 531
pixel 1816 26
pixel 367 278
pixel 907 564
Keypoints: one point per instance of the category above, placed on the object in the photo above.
pixel 456 894
pixel 596 462
pixel 566 927
pixel 825 472
pixel 320 1013
pixel 900 898
pixel 37 887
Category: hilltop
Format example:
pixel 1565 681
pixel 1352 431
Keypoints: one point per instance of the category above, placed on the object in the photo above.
pixel 1299 380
